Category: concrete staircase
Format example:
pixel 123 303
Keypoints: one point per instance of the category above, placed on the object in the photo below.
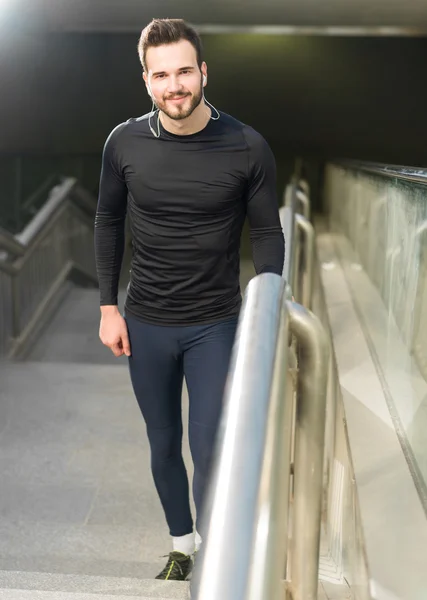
pixel 18 585
pixel 79 515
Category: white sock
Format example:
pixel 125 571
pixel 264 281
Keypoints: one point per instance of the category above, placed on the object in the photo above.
pixel 184 544
pixel 198 541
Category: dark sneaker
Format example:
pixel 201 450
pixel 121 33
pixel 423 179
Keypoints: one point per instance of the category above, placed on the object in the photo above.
pixel 178 567
pixel 193 562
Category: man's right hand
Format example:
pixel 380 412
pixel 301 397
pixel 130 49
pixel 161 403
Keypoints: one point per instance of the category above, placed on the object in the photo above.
pixel 113 331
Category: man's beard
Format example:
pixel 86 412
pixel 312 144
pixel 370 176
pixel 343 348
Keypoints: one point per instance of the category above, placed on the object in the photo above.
pixel 181 112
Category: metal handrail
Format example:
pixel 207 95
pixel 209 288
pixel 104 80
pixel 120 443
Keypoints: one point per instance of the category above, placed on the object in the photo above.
pixel 17 245
pixel 305 187
pixel 287 222
pixel 56 198
pixel 304 200
pixel 245 525
pixel 297 227
pixel 312 382
pixel 244 464
pixel 305 228
pixel 10 244
pixel 415 175
pixel 36 262
pixel 31 202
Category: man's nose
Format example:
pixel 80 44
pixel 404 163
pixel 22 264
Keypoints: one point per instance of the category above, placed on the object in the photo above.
pixel 174 85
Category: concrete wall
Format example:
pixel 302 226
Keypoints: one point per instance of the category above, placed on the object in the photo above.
pixel 318 97
pixel 352 97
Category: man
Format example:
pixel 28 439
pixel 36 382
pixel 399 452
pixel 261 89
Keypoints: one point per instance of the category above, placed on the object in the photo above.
pixel 188 175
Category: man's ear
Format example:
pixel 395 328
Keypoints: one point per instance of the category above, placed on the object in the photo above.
pixel 204 70
pixel 147 85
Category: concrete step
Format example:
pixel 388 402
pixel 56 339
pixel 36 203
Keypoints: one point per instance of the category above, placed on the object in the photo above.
pixel 72 335
pixel 20 585
pixel 37 595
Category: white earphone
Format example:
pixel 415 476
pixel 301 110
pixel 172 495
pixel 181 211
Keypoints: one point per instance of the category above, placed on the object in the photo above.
pixel 205 80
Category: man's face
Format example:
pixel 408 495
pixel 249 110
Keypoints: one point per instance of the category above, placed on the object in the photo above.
pixel 175 78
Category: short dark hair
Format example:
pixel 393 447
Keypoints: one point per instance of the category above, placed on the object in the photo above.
pixel 168 31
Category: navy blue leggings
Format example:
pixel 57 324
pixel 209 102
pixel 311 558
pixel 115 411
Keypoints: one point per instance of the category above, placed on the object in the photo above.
pixel 161 357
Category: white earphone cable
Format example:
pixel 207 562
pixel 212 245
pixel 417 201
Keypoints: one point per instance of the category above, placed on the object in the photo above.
pixel 213 107
pixel 152 114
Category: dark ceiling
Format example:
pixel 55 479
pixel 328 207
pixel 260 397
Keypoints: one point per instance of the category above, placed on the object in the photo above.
pixel 358 97
pixel 129 15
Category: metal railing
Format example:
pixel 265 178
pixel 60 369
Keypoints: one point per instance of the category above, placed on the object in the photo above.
pixel 28 177
pixel 412 174
pixel 378 217
pixel 34 264
pixel 261 541
pixel 381 210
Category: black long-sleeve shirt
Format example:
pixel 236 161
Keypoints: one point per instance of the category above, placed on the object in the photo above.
pixel 187 198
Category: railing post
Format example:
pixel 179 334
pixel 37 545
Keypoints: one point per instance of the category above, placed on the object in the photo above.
pixel 313 350
pixel 306 229
pixel 288 226
pixel 304 185
pixel 16 306
pixel 303 199
pixel 288 195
